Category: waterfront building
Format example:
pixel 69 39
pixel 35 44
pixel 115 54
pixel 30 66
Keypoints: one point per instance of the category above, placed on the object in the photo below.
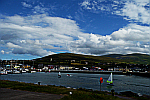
pixel 66 68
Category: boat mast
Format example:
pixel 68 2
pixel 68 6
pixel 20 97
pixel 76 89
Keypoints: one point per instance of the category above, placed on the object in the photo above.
pixel 11 63
pixel 111 77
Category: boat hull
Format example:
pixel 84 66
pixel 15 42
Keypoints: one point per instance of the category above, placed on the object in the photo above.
pixel 59 76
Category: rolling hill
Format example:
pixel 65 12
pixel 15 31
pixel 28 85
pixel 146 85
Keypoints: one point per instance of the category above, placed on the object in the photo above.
pixel 88 60
pixel 135 58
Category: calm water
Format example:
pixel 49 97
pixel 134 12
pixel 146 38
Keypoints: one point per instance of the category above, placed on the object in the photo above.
pixel 89 81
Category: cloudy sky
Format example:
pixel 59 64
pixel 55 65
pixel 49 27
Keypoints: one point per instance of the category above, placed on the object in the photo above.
pixel 36 28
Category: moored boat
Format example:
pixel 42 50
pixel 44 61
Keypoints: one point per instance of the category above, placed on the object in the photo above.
pixel 16 72
pixel 3 72
pixel 33 71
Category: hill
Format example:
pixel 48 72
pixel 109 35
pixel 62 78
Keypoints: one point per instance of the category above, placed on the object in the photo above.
pixel 71 59
pixel 135 58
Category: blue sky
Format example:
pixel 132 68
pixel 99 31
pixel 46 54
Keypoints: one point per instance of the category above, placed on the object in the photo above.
pixel 36 28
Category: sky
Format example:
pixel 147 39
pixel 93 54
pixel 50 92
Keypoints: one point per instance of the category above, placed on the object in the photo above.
pixel 31 29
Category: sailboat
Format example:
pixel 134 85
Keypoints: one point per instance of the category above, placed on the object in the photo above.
pixel 110 80
pixel 59 75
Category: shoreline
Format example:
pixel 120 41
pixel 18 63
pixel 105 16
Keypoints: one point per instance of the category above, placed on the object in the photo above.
pixel 143 74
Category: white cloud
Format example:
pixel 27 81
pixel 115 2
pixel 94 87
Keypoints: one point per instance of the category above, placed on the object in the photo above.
pixel 11 45
pixel 2 51
pixel 85 4
pixel 40 10
pixel 26 5
pixel 7 52
pixel 132 10
pixel 136 11
pixel 98 5
pixel 132 32
pixel 29 34
pixel 94 38
pixel 131 39
pixel 70 17
pixel 33 50
pixel 141 2
pixel 37 9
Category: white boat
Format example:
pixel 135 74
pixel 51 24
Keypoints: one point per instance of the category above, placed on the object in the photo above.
pixel 16 72
pixel 4 72
pixel 9 71
pixel 23 71
pixel 110 80
pixel 59 75
pixel 33 71
pixel 69 75
pixel 49 70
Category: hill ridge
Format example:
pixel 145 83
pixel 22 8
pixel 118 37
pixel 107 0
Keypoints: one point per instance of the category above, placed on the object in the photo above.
pixel 135 58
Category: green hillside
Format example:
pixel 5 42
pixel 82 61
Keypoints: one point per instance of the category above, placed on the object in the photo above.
pixel 132 58
pixel 72 59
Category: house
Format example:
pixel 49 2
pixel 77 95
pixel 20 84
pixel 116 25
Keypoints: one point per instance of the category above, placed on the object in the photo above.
pixel 66 68
pixel 110 69
pixel 26 66
pixel 40 66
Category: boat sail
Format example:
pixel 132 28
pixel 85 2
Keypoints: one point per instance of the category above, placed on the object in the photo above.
pixel 110 80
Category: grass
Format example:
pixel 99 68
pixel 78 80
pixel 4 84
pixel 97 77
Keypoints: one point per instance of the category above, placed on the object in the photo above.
pixel 82 95
pixel 33 87
pixel 77 94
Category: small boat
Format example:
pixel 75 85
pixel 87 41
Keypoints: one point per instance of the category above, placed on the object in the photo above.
pixel 69 75
pixel 23 71
pixel 59 75
pixel 33 71
pixel 110 80
pixel 3 72
pixel 16 72
pixel 49 70
pixel 9 71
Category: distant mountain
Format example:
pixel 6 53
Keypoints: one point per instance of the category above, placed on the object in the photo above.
pixel 132 58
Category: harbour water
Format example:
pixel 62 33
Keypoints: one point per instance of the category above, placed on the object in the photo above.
pixel 122 83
